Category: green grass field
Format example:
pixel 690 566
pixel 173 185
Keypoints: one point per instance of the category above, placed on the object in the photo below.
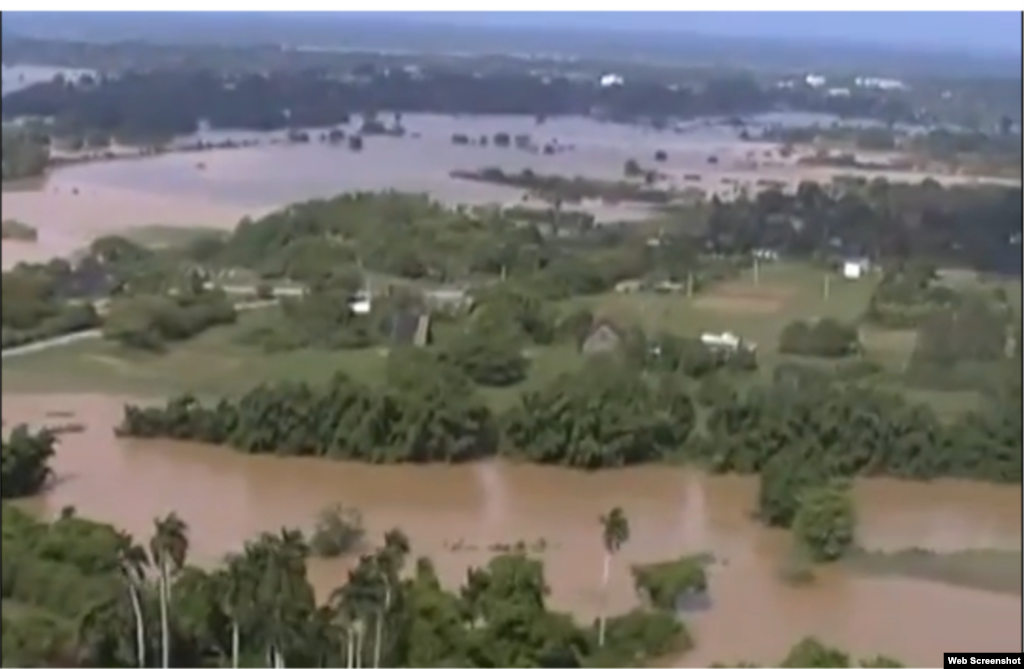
pixel 759 310
pixel 214 364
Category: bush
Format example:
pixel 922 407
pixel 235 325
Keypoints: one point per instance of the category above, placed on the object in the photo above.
pixel 825 521
pixel 488 352
pixel 664 583
pixel 824 338
pixel 338 531
pixel 24 462
pixel 148 322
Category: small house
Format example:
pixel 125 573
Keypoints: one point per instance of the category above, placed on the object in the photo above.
pixel 603 337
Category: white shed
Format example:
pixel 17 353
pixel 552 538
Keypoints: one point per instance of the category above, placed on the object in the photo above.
pixel 855 268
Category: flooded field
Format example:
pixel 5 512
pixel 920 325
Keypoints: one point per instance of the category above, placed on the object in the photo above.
pixel 217 188
pixel 455 514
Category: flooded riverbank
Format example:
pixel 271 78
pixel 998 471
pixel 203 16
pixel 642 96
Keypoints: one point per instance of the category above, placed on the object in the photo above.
pixel 454 514
pixel 216 188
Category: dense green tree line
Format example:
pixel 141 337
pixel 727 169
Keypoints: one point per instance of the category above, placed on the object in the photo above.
pixel 850 430
pixel 603 416
pixel 803 426
pixel 886 222
pixel 427 417
pixel 161 103
pixel 25 467
pixel 35 304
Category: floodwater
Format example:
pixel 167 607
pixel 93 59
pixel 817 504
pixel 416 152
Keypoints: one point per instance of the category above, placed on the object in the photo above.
pixel 271 175
pixel 217 188
pixel 226 497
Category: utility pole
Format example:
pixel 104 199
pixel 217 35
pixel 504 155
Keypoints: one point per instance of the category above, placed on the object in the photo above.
pixel 757 271
pixel 827 288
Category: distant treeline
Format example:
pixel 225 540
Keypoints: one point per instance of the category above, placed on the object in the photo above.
pixel 171 102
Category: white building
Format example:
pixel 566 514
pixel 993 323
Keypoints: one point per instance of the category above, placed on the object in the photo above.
pixel 879 83
pixel 611 79
pixel 815 80
pixel 855 268
pixel 724 340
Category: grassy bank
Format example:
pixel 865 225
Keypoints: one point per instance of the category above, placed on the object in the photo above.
pixel 991 570
pixel 214 363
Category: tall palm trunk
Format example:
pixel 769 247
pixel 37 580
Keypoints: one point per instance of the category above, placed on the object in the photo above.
pixel 359 647
pixel 378 641
pixel 140 624
pixel 350 643
pixel 165 625
pixel 603 620
pixel 236 643
pixel 378 635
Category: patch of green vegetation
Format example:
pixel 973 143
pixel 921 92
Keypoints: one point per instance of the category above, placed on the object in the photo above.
pixel 665 584
pixel 992 570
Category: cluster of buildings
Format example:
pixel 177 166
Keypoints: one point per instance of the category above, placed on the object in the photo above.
pixel 821 82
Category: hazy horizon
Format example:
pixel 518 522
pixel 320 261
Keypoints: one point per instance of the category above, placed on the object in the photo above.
pixel 984 33
pixel 981 34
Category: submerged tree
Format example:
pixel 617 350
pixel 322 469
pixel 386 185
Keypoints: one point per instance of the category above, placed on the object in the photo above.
pixel 614 534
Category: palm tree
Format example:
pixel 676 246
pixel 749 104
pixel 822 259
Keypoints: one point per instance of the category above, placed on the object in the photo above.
pixel 614 533
pixel 132 561
pixel 98 638
pixel 390 562
pixel 343 617
pixel 282 565
pixel 234 581
pixel 359 629
pixel 168 548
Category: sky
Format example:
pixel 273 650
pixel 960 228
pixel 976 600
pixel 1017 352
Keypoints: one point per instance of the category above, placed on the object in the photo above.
pixel 980 33
pixel 977 32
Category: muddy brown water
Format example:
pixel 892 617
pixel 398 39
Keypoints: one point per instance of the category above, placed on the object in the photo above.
pixel 227 497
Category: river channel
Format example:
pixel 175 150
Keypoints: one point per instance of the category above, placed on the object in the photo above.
pixel 454 514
